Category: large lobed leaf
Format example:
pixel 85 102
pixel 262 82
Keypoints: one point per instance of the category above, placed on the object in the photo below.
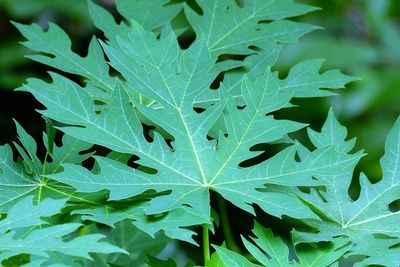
pixel 201 136
pixel 173 78
pixel 367 222
pixel 154 66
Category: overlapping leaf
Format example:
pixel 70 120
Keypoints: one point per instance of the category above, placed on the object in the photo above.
pixel 173 224
pixel 149 14
pixel 231 29
pixel 258 24
pixel 368 221
pixel 22 178
pixel 139 245
pixel 54 46
pixel 272 251
pixel 24 231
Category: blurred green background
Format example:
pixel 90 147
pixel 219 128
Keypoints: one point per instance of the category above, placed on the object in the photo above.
pixel 360 37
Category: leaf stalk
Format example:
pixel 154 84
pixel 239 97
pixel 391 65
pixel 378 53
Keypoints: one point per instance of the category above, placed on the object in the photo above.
pixel 206 244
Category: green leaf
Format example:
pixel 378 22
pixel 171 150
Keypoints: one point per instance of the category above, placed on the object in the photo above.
pixel 224 257
pixel 139 245
pixel 51 134
pixel 248 23
pixel 196 164
pixel 367 222
pixel 23 231
pixel 54 48
pixel 104 21
pixel 15 181
pixel 272 251
pixel 24 214
pixel 175 135
pixel 322 255
pixel 23 178
pixel 172 223
pixel 149 14
pixel 173 78
pixel 40 241
pixel 304 79
pixel 28 150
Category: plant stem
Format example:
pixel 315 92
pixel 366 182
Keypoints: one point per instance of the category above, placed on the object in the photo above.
pixel 206 244
pixel 226 227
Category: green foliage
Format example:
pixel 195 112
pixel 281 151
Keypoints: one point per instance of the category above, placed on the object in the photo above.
pixel 272 251
pixel 28 176
pixel 21 8
pixel 166 139
pixel 368 221
pixel 364 227
pixel 15 68
pixel 361 38
pixel 23 231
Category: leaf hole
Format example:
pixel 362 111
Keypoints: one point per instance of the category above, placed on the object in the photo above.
pixel 148 132
pixel 255 48
pixel 195 7
pixel 169 143
pixel 264 21
pixel 132 162
pixel 297 157
pixel 87 151
pixel 265 151
pixel 395 246
pixel 224 57
pixel 255 160
pixel 394 206
pixel 240 3
pixel 217 81
pixel 199 110
pixel 383 236
pixel 186 39
pixel 89 163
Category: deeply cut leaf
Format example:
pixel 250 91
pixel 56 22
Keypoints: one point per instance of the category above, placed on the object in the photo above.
pixel 367 222
pixel 272 251
pixel 23 178
pixel 23 231
pixel 173 78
